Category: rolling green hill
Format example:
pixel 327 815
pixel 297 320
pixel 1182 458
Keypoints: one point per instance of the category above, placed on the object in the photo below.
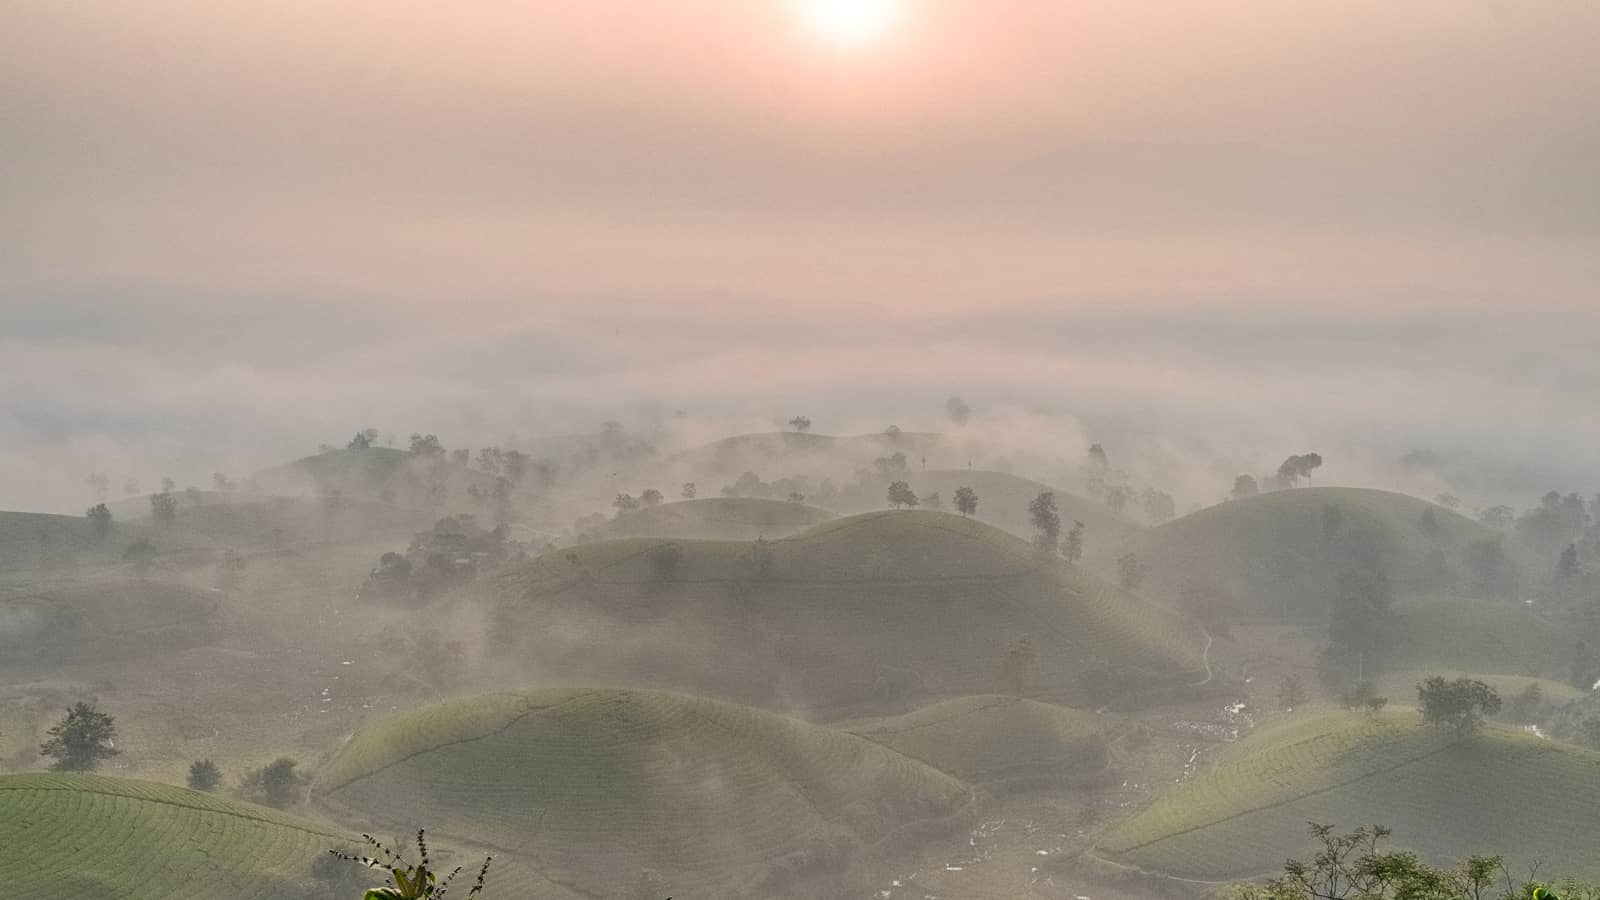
pixel 1279 555
pixel 376 473
pixel 869 611
pixel 1502 791
pixel 1003 502
pixel 75 837
pixel 994 738
pixel 1479 636
pixel 104 619
pixel 718 518
pixel 595 786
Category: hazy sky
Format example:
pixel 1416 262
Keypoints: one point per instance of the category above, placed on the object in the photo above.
pixel 250 222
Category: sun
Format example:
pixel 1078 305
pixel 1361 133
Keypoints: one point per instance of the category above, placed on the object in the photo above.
pixel 851 23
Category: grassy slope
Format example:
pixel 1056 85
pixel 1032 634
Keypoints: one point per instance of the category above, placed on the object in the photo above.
pixel 991 737
pixel 368 473
pixel 718 518
pixel 596 785
pixel 105 619
pixel 73 837
pixel 1271 553
pixel 1502 791
pixel 1477 636
pixel 883 606
pixel 1003 502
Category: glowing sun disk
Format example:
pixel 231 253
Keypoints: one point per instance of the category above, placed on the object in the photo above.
pixel 852 23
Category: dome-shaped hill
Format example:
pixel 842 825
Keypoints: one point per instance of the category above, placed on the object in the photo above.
pixel 112 619
pixel 1003 502
pixel 994 738
pixel 850 616
pixel 374 473
pixel 1502 791
pixel 71 837
pixel 718 518
pixel 1279 555
pixel 598 785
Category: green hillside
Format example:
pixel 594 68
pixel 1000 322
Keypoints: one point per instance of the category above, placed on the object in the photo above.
pixel 1479 636
pixel 718 518
pixel 1501 791
pixel 76 837
pixel 594 786
pixel 1279 555
pixel 104 619
pixel 1003 502
pixel 376 473
pixel 993 738
pixel 884 608
pixel 258 520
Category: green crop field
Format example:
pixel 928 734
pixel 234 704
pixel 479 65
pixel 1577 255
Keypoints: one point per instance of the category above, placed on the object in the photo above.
pixel 1279 555
pixel 718 518
pixel 76 837
pixel 859 616
pixel 992 738
pixel 1501 791
pixel 594 786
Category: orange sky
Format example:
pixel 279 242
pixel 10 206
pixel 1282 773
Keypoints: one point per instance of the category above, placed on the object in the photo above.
pixel 982 152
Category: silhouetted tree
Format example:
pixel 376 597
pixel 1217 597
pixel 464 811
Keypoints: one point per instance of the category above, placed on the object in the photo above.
pixel 164 508
pixel 100 518
pixel 1524 707
pixel 1291 693
pixel 625 503
pixel 1046 520
pixel 363 439
pixel 1460 704
pixel 688 491
pixel 80 740
pixel 204 775
pixel 958 411
pixel 966 501
pixel 1159 506
pixel 892 432
pixel 1072 547
pixel 426 445
pixel 651 497
pixel 1117 498
pixel 901 495
pixel 1567 564
pixel 1295 468
pixel 1130 572
pixel 275 784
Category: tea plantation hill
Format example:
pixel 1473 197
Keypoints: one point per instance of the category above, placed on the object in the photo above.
pixel 717 518
pixel 596 786
pixel 71 837
pixel 1003 502
pixel 860 616
pixel 1502 791
pixel 1278 556
pixel 993 739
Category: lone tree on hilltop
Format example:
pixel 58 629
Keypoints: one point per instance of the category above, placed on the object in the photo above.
pixel 1072 547
pixel 625 503
pixel 1046 519
pixel 958 411
pixel 689 490
pixel 204 775
pixel 966 501
pixel 80 740
pixel 1459 705
pixel 801 424
pixel 901 495
pixel 651 497
pixel 1245 486
pixel 100 517
pixel 1297 467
